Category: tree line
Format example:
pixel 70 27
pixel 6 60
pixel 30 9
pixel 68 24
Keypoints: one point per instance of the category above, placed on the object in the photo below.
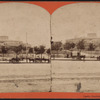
pixel 81 45
pixel 22 49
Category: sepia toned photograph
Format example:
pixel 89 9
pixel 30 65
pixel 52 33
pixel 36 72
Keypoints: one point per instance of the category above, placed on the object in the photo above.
pixel 24 48
pixel 75 48
pixel 49 51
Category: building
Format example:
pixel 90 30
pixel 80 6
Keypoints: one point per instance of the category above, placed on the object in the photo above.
pixel 3 38
pixel 4 41
pixel 91 35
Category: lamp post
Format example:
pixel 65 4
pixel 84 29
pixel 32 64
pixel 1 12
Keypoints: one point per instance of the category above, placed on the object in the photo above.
pixel 50 55
pixel 26 48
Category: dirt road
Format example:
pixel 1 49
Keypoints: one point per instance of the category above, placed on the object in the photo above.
pixel 25 78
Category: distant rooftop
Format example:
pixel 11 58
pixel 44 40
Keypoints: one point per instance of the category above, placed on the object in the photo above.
pixel 4 38
pixel 88 35
pixel 91 35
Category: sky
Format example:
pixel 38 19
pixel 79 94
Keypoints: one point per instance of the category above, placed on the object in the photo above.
pixel 75 20
pixel 19 19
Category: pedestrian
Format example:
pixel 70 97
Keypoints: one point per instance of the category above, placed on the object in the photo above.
pixel 67 55
pixel 78 87
pixel 71 54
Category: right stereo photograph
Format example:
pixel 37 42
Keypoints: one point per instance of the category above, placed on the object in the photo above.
pixel 75 48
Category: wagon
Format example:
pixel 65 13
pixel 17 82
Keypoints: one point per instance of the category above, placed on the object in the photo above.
pixel 14 60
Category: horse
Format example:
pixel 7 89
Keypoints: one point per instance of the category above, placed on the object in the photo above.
pixel 44 59
pixel 14 60
pixel 79 57
pixel 31 59
pixel 98 58
pixel 38 60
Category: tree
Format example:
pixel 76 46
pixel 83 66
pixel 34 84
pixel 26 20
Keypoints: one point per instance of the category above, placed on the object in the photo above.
pixel 69 45
pixel 18 49
pixel 72 45
pixel 30 51
pixel 36 49
pixel 56 46
pixel 3 50
pixel 48 52
pixel 41 50
pixel 91 47
pixel 80 45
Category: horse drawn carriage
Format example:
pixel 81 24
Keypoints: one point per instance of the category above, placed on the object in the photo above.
pixel 34 60
pixel 81 57
pixel 76 56
pixel 98 58
pixel 39 60
pixel 14 60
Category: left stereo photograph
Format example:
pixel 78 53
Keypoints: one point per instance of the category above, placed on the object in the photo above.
pixel 25 60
